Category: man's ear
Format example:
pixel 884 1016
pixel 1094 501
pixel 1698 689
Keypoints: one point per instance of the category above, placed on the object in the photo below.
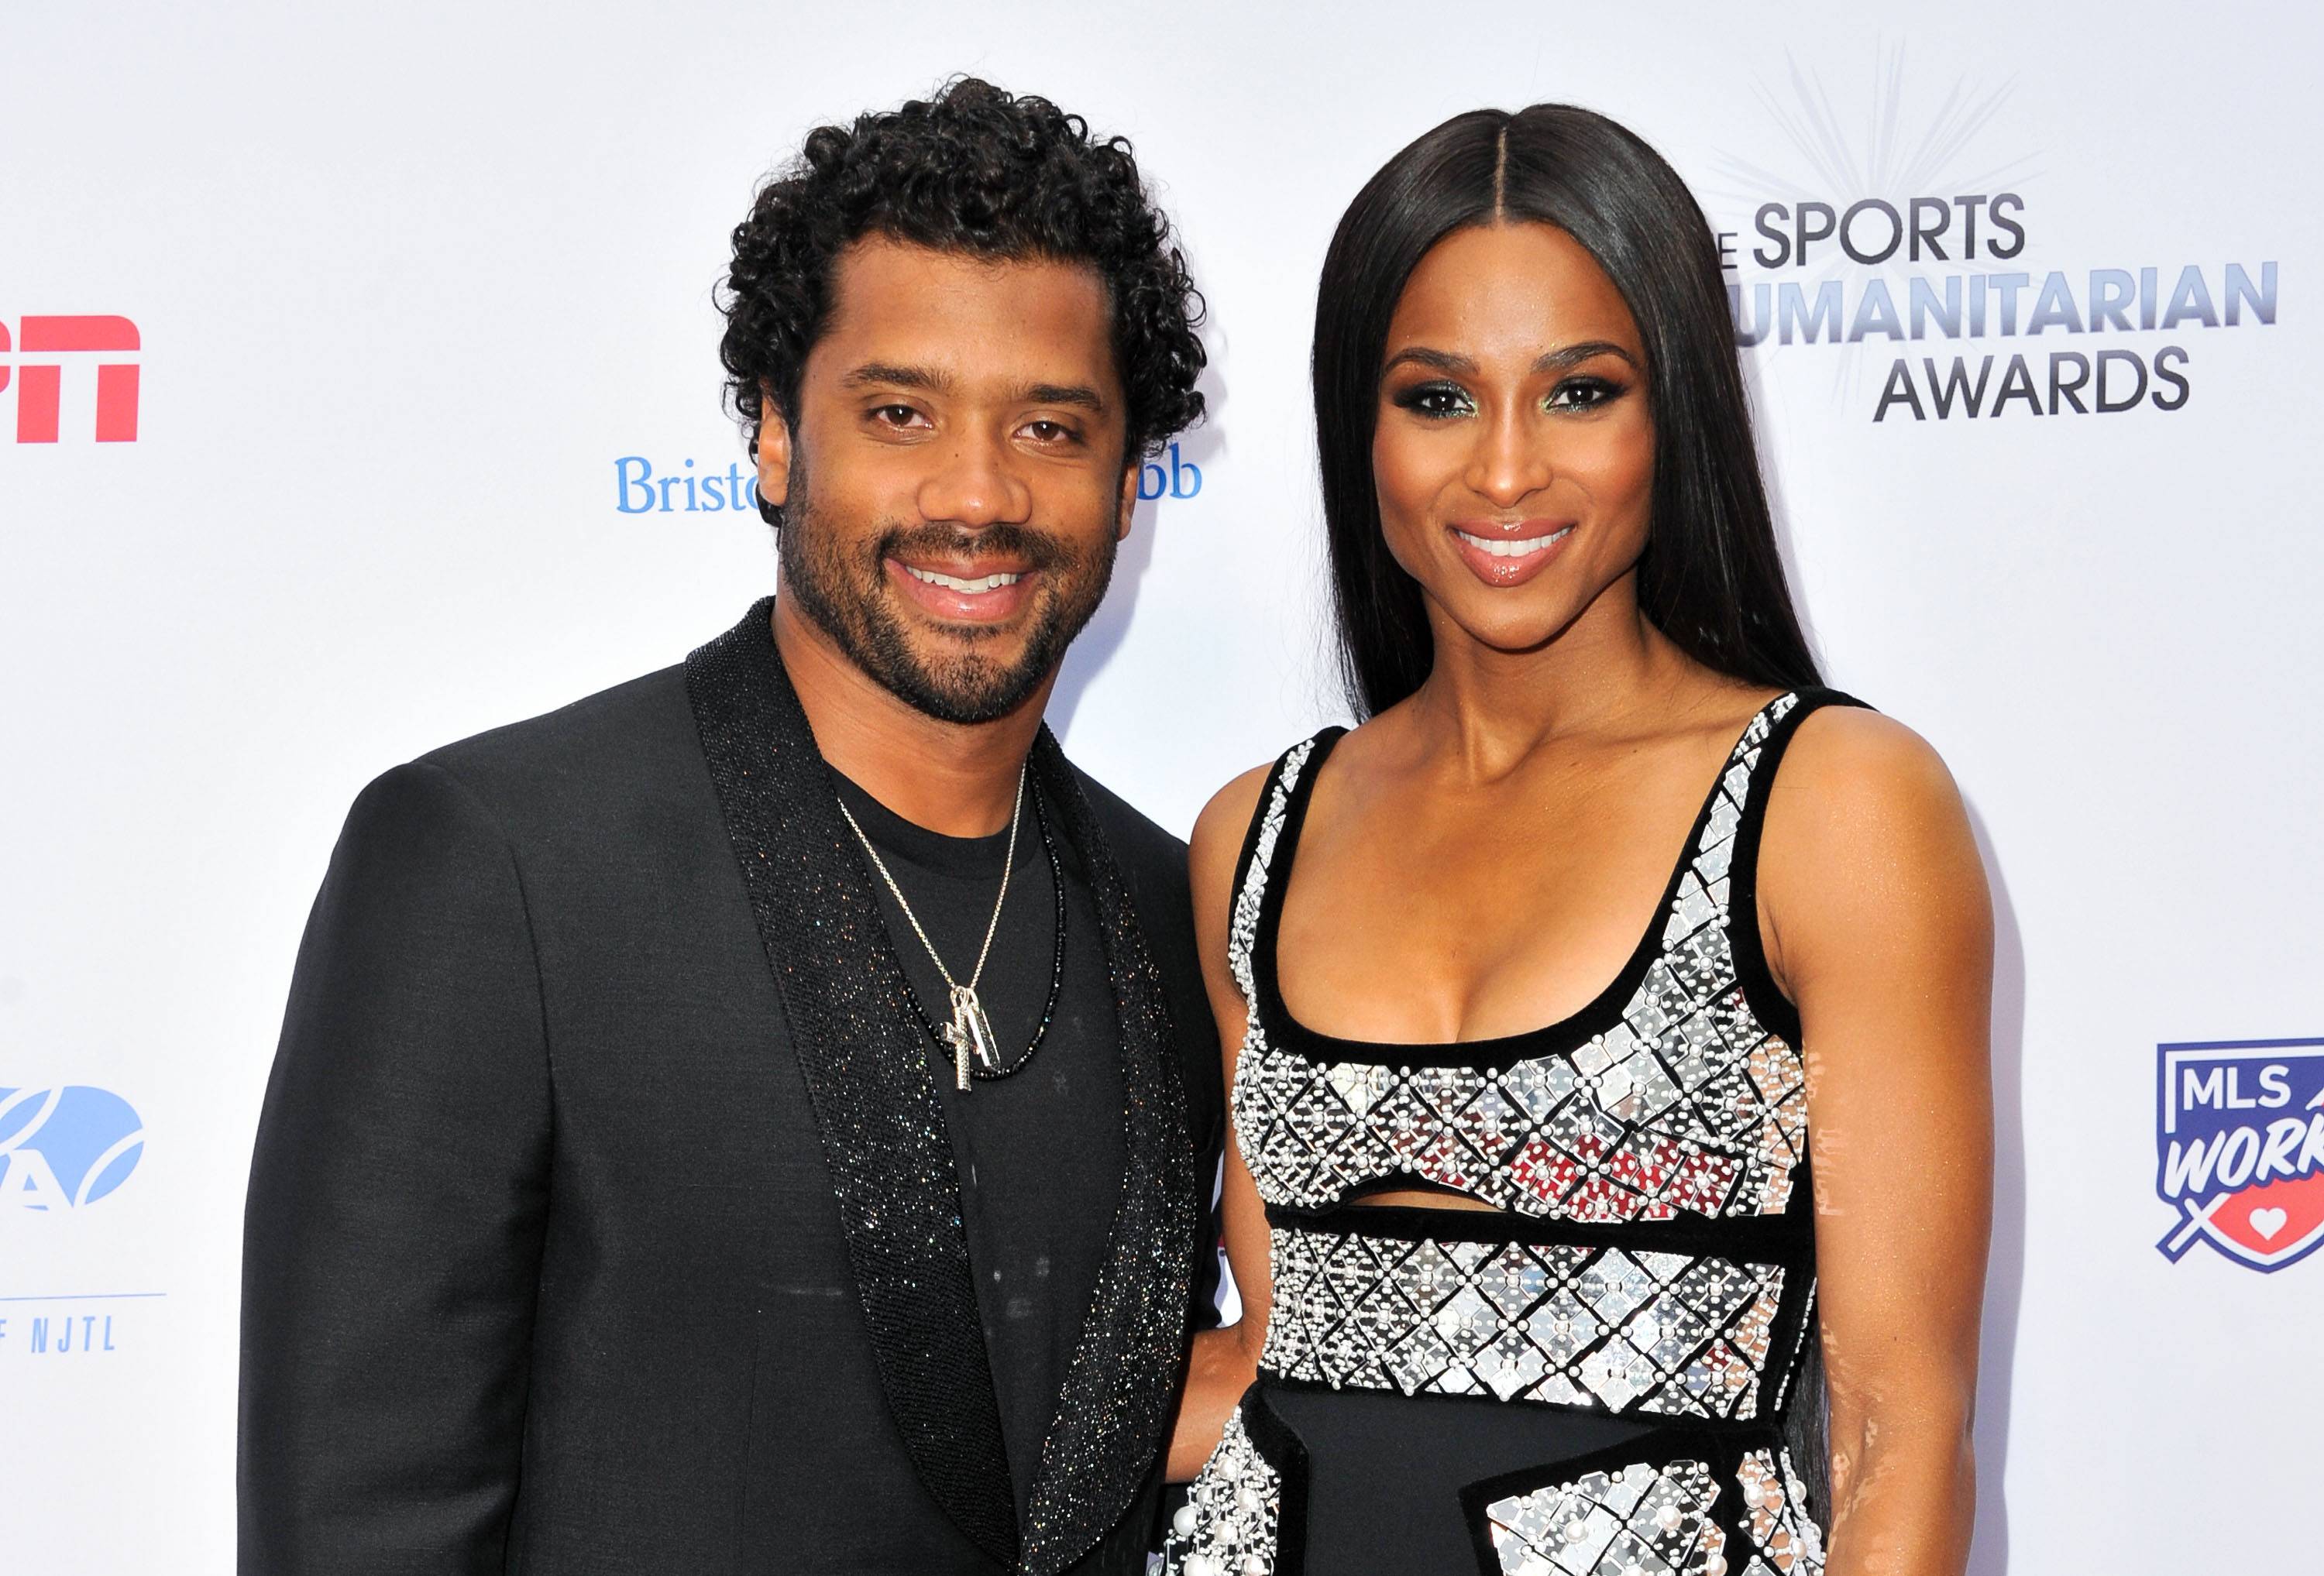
pixel 774 450
pixel 1128 499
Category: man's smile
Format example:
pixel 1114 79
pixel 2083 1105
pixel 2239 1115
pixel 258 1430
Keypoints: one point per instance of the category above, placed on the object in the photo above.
pixel 983 591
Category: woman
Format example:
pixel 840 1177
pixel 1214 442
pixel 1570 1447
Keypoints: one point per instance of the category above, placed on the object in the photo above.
pixel 1549 1298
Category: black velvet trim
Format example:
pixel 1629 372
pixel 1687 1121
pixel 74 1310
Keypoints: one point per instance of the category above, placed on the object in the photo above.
pixel 1500 1053
pixel 1281 1448
pixel 1788 1239
pixel 1721 1447
pixel 1794 1313
pixel 1768 1004
pixel 1278 1380
pixel 1794 1323
pixel 849 1008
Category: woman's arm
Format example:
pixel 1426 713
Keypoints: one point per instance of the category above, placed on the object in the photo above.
pixel 1873 900
pixel 1224 1359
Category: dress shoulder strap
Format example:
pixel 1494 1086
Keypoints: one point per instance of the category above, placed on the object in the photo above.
pixel 1276 800
pixel 1760 753
pixel 1725 860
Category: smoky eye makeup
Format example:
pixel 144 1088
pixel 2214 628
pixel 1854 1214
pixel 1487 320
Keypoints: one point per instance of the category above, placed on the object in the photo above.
pixel 1585 394
pixel 1437 398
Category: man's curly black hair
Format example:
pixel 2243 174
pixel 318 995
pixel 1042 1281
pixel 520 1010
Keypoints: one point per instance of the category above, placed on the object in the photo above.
pixel 971 169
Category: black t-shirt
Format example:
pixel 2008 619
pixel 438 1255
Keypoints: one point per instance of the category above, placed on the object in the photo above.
pixel 1039 1153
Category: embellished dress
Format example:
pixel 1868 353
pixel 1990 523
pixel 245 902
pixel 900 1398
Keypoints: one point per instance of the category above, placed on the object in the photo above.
pixel 1591 1381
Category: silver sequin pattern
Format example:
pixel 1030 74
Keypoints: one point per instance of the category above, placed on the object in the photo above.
pixel 1687 1105
pixel 1242 926
pixel 1660 1334
pixel 1227 1527
pixel 1655 1521
pixel 1783 1537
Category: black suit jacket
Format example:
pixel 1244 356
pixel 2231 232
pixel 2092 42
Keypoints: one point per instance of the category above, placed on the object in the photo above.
pixel 543 1268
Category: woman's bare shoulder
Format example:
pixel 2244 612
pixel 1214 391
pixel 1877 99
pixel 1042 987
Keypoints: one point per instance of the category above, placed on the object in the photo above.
pixel 1857 768
pixel 1219 829
pixel 1867 841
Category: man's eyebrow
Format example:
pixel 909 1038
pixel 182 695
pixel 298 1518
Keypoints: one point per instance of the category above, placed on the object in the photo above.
pixel 885 374
pixel 881 374
pixel 1079 394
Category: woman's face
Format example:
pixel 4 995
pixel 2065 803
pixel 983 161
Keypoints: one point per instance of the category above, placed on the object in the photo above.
pixel 1514 451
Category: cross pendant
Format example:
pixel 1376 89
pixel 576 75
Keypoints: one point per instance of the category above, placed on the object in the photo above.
pixel 970 1034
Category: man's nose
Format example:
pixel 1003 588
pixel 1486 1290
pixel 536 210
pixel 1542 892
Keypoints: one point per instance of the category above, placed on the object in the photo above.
pixel 975 484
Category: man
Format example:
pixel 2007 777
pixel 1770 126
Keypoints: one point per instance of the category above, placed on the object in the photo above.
pixel 758 1119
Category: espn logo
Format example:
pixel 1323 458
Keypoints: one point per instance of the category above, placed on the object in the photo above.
pixel 39 385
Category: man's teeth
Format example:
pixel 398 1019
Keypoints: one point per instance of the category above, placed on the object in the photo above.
pixel 954 583
pixel 1502 547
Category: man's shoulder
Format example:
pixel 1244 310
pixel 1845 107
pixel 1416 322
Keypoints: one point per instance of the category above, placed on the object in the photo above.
pixel 607 719
pixel 1142 848
pixel 631 742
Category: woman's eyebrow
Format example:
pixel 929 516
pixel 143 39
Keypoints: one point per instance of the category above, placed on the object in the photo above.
pixel 1572 355
pixel 1436 360
pixel 1558 360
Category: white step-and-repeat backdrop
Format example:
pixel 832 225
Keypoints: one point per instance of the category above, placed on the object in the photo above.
pixel 345 351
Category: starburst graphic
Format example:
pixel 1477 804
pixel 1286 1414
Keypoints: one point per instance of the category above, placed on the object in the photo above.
pixel 1882 140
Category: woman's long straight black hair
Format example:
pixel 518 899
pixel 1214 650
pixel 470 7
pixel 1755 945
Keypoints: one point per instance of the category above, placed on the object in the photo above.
pixel 1710 577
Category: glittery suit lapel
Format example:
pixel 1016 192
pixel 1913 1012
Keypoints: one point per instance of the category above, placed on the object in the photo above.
pixel 890 1158
pixel 1117 1391
pixel 859 1045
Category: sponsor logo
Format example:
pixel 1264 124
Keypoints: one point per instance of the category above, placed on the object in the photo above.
pixel 692 488
pixel 67 1326
pixel 640 489
pixel 1182 480
pixel 1921 249
pixel 40 381
pixel 65 1147
pixel 2239 1147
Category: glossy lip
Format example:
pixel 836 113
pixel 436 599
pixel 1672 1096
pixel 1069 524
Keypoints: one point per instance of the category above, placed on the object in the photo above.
pixel 1504 573
pixel 998 605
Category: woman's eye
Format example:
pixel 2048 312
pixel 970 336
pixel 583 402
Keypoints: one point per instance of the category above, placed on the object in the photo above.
pixel 1437 400
pixel 1582 394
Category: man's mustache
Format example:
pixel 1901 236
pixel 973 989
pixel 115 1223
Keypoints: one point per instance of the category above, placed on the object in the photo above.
pixel 1036 548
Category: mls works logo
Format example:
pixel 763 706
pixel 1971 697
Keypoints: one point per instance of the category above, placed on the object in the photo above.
pixel 65 1147
pixel 40 381
pixel 2239 1142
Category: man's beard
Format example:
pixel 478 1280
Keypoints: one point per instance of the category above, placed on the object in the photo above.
pixel 847 596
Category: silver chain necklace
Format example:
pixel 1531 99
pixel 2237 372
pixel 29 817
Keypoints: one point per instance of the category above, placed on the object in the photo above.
pixel 969 1033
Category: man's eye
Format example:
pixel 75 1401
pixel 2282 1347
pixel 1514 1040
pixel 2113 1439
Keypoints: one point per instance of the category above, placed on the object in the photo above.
pixel 895 415
pixel 1048 431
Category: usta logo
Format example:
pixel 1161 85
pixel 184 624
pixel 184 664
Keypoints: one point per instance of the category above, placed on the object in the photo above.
pixel 39 385
pixel 65 1146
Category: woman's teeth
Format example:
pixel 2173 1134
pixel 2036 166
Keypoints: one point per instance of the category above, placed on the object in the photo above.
pixel 954 583
pixel 1502 547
